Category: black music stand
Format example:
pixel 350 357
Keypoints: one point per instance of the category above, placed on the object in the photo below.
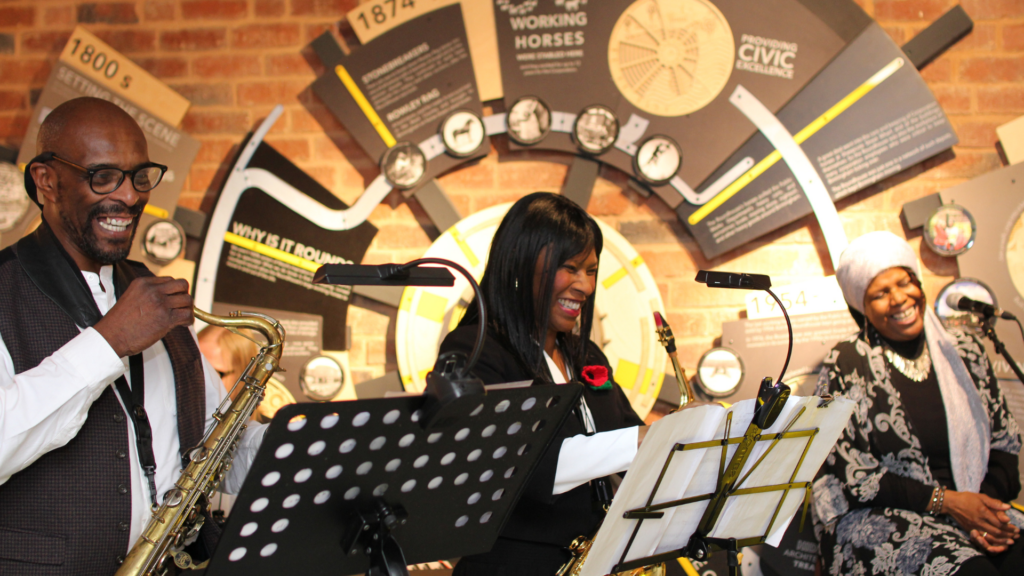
pixel 366 486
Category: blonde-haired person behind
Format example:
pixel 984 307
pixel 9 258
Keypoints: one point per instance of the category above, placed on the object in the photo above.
pixel 229 354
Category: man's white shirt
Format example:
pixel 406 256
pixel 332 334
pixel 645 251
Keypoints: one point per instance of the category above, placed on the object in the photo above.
pixel 44 408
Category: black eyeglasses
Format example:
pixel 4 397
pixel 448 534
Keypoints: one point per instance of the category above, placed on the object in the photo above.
pixel 106 180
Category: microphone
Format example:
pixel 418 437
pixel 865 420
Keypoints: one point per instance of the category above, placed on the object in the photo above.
pixel 960 302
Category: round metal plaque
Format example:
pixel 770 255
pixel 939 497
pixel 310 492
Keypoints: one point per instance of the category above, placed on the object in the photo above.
pixel 529 120
pixel 462 133
pixel 719 372
pixel 950 230
pixel 404 165
pixel 657 160
pixel 163 241
pixel 595 129
pixel 321 378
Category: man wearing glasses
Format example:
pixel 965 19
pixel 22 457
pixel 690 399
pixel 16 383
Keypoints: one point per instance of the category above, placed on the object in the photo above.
pixel 102 387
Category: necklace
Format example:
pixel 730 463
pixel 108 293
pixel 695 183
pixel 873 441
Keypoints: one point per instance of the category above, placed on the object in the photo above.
pixel 917 369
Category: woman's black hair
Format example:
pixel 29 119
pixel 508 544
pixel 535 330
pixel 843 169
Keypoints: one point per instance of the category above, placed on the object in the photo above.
pixel 538 223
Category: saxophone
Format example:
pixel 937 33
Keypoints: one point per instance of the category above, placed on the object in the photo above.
pixel 177 521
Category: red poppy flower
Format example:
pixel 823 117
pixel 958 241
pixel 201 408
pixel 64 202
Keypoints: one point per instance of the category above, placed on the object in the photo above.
pixel 596 377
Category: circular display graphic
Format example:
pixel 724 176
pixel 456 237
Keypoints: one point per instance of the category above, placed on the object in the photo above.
pixel 595 129
pixel 671 57
pixel 163 241
pixel 404 165
pixel 529 120
pixel 719 372
pixel 657 160
pixel 13 199
pixel 972 288
pixel 626 299
pixel 950 230
pixel 321 378
pixel 462 133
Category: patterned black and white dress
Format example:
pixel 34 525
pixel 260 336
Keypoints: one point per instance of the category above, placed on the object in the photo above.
pixel 871 493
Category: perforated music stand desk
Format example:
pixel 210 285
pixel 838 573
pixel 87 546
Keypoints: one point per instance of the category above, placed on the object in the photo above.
pixel 315 491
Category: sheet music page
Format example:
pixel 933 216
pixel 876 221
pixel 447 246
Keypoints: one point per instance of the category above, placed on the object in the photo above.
pixel 695 472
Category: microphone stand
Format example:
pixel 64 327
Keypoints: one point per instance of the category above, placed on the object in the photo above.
pixel 989 328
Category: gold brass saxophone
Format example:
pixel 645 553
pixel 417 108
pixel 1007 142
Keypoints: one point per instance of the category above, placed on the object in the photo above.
pixel 177 521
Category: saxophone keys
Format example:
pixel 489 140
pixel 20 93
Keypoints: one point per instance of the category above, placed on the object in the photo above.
pixel 200 454
pixel 173 498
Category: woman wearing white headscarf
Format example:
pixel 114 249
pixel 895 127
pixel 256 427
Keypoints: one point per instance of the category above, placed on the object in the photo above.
pixel 917 483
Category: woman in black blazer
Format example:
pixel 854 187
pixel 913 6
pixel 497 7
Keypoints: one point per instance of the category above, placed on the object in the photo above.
pixel 539 288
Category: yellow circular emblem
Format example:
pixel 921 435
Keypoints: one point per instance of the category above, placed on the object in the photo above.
pixel 671 57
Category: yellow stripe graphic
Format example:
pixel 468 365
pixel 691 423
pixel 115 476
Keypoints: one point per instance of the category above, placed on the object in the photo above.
pixel 279 255
pixel 156 211
pixel 365 105
pixel 466 250
pixel 808 131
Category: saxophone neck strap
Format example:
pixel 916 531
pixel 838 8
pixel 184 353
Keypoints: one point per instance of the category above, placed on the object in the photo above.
pixel 52 270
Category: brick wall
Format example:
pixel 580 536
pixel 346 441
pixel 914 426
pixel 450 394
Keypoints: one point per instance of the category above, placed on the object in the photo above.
pixel 236 59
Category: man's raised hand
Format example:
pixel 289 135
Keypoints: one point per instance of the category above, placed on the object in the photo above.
pixel 145 313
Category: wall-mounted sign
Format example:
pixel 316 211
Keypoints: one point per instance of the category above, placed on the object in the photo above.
pixel 657 159
pixel 462 133
pixel 403 88
pixel 595 129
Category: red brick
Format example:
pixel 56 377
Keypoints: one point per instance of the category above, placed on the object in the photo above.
pixel 17 16
pixel 992 69
pixel 201 178
pixel 292 148
pixel 226 66
pixel 1013 37
pixel 977 134
pixel 324 175
pixel 59 16
pixel 993 9
pixel 198 122
pixel 316 118
pixel 322 7
pixel 107 13
pixel 128 41
pixel 953 99
pixel 608 204
pixel 24 71
pixel 191 200
pixel 1001 99
pixel 966 164
pixel 272 93
pixel 938 70
pixel 981 38
pixel 47 42
pixel 214 9
pixel 479 176
pixel 215 150
pixel 164 67
pixel 291 65
pixel 897 33
pixel 265 36
pixel 13 126
pixel 269 8
pixel 206 94
pixel 910 10
pixel 12 100
pixel 531 175
pixel 192 39
pixel 401 236
pixel 158 10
